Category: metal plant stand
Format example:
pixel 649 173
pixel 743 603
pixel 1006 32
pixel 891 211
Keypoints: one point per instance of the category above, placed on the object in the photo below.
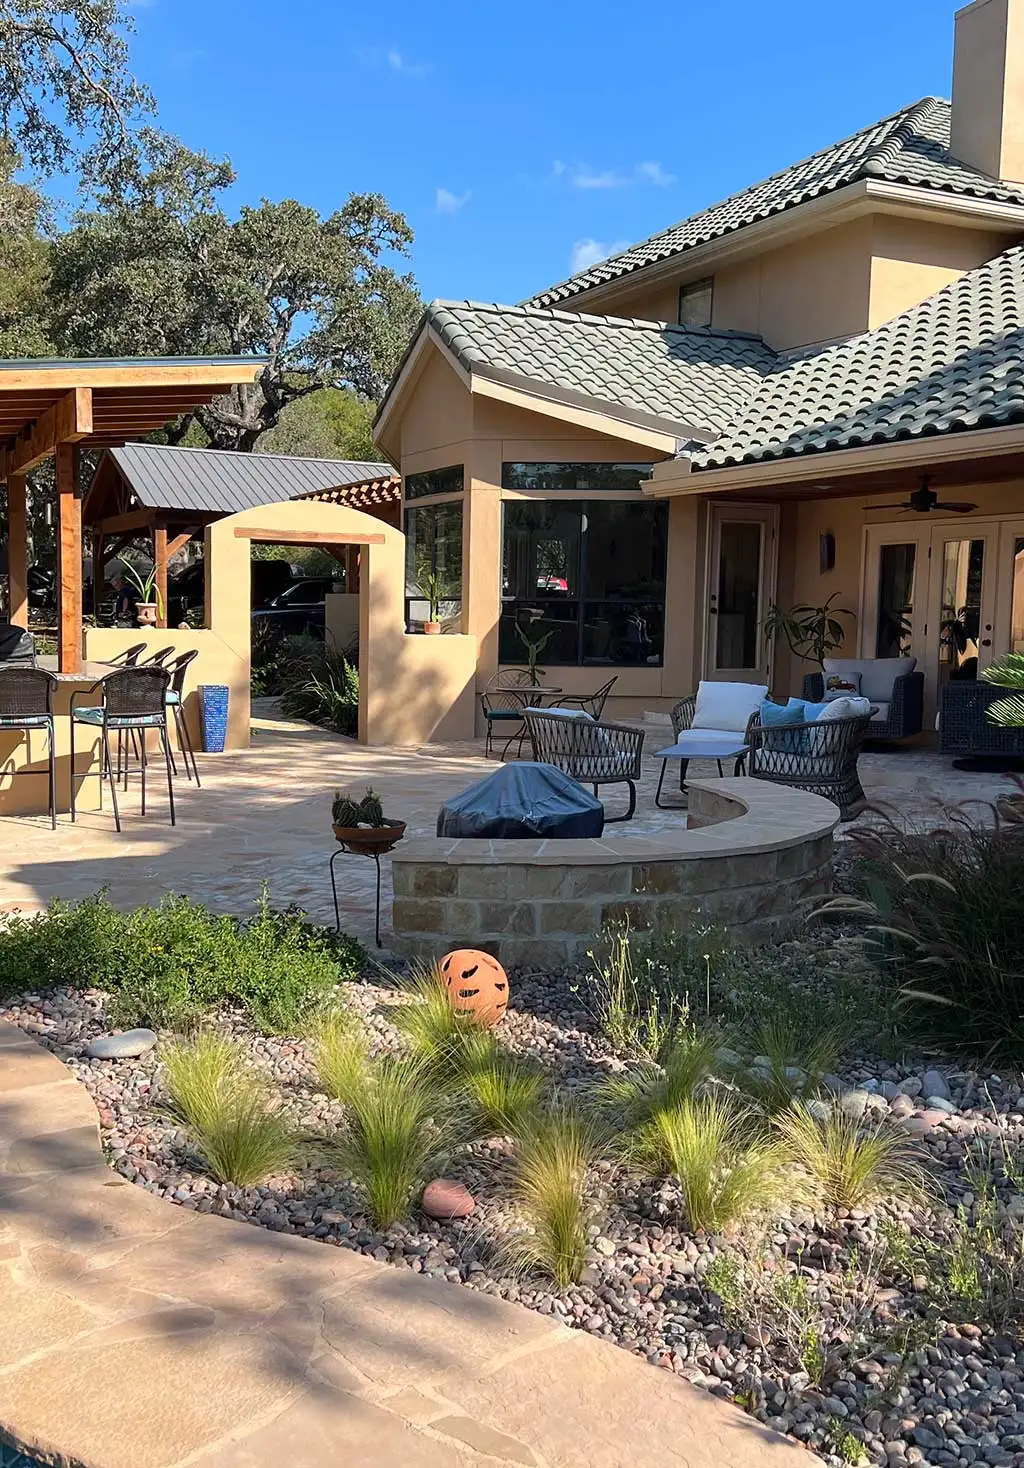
pixel 365 841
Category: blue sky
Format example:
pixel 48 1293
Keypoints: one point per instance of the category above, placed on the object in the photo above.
pixel 524 138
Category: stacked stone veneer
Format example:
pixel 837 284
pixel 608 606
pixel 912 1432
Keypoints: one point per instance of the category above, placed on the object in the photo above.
pixel 751 854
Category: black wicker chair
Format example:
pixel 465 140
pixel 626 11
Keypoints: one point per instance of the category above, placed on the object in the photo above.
pixel 820 757
pixel 590 752
pixel 16 645
pixel 965 728
pixel 26 703
pixel 175 700
pixel 906 706
pixel 591 703
pixel 503 701
pixel 134 700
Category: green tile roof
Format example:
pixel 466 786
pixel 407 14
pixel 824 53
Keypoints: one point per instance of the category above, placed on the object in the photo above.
pixel 911 147
pixel 692 377
pixel 954 362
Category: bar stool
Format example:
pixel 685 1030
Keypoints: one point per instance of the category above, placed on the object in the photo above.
pixel 26 703
pixel 175 696
pixel 134 700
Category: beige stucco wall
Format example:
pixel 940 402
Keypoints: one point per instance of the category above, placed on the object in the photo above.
pixel 911 259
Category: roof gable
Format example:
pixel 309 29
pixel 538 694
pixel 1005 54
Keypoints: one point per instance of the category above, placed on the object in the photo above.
pixel 910 147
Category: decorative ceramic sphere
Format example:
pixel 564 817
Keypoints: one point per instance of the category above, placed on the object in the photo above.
pixel 476 983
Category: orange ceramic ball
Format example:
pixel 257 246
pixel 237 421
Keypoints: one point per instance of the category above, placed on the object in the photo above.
pixel 477 983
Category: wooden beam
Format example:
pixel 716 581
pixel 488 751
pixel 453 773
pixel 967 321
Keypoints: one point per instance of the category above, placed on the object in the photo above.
pixel 17 550
pixel 69 560
pixel 178 543
pixel 306 537
pixel 68 421
pixel 160 570
pixel 115 524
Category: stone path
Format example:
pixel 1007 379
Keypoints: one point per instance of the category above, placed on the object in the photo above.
pixel 141 1335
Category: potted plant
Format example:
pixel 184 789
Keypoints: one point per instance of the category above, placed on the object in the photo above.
pixel 811 632
pixel 148 608
pixel 534 647
pixel 361 825
pixel 434 589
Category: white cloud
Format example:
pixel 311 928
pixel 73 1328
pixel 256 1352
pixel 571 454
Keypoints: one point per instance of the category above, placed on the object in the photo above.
pixel 589 252
pixel 402 64
pixel 445 202
pixel 655 174
pixel 582 176
pixel 378 58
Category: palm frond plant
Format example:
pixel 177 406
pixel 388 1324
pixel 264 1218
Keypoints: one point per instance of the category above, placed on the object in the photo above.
pixel 1007 672
pixel 556 1152
pixel 725 1165
pixel 852 1165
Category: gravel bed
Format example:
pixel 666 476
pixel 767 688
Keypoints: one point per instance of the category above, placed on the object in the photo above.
pixel 958 1398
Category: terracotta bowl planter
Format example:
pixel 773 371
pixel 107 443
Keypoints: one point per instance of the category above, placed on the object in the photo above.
pixel 370 839
pixel 432 629
pixel 146 613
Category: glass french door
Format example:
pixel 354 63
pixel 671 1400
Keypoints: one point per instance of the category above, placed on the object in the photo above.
pixel 741 585
pixel 950 593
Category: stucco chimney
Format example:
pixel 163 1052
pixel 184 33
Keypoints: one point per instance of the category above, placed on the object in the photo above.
pixel 987 128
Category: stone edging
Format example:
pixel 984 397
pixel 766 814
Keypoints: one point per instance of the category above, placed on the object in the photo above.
pixel 140 1335
pixel 754 852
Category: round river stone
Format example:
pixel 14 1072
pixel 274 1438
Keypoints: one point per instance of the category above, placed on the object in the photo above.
pixel 446 1198
pixel 125 1046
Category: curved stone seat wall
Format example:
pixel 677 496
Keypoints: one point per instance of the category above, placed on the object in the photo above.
pixel 752 853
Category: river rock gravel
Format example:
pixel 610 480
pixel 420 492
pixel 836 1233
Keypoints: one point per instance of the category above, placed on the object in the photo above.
pixel 899 1384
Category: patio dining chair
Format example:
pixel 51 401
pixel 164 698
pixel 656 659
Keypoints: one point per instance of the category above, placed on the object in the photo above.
pixel 177 668
pixel 159 658
pixel 133 701
pixel 591 703
pixel 503 701
pixel 590 752
pixel 26 703
pixel 130 657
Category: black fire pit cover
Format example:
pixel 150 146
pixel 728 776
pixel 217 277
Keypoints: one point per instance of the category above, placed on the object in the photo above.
pixel 523 799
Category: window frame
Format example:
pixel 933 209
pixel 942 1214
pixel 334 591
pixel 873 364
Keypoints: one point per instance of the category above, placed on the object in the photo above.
pixel 433 483
pixel 439 504
pixel 690 289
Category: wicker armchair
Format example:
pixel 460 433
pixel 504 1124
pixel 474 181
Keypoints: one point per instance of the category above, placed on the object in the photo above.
pixel 820 757
pixel 682 718
pixel 905 717
pixel 590 752
pixel 965 728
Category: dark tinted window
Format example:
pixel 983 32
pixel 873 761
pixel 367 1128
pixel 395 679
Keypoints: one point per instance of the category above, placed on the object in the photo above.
pixel 583 477
pixel 435 481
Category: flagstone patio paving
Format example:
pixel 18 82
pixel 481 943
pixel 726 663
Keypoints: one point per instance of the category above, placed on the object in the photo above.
pixel 141 1335
pixel 263 815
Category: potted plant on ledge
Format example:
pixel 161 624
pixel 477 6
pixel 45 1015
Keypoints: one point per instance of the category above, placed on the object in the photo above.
pixel 148 608
pixel 434 589
pixel 361 825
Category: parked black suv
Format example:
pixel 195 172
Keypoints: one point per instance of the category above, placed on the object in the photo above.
pixel 299 608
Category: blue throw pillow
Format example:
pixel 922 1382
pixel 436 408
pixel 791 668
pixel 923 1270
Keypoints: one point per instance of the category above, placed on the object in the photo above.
pixel 786 723
pixel 814 711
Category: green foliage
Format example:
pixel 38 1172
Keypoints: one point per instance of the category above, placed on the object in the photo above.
pixel 853 1166
pixel 198 1074
pixel 793 1058
pixel 534 646
pixel 726 1168
pixel 1007 672
pixel 329 424
pixel 438 1034
pixel 555 1154
pixel 503 1093
pixel 347 811
pixel 435 589
pixel 635 1097
pixel 340 1053
pixel 811 633
pixel 230 1113
pixel 326 692
pixel 399 1129
pixel 158 268
pixel 168 964
pixel 940 914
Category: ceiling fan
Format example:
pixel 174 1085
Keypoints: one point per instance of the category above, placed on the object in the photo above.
pixel 925 499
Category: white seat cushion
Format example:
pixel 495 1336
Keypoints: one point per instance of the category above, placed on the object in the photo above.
pixel 881 713
pixel 568 713
pixel 727 707
pixel 844 708
pixel 701 736
pixel 877 675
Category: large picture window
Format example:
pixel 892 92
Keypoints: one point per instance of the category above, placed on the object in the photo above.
pixel 586 579
pixel 433 544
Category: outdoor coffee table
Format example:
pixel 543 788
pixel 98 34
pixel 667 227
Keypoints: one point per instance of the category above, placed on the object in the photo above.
pixel 697 748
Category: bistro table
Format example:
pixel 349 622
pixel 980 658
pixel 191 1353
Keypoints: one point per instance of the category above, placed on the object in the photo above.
pixel 528 697
pixel 718 749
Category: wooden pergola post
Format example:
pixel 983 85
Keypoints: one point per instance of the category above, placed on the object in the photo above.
pixel 17 549
pixel 69 560
pixel 160 568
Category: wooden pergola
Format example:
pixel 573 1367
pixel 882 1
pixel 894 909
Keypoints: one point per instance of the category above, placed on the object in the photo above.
pixel 58 409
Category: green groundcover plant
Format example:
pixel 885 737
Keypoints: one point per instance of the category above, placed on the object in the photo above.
pixel 169 963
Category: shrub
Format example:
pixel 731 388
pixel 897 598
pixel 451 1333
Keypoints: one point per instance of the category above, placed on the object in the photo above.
pixel 326 693
pixel 198 1075
pixel 851 1165
pixel 397 1134
pixel 167 964
pixel 793 1059
pixel 550 1186
pixel 726 1169
pixel 940 912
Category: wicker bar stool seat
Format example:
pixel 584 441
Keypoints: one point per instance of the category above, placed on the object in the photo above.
pixel 133 701
pixel 26 703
